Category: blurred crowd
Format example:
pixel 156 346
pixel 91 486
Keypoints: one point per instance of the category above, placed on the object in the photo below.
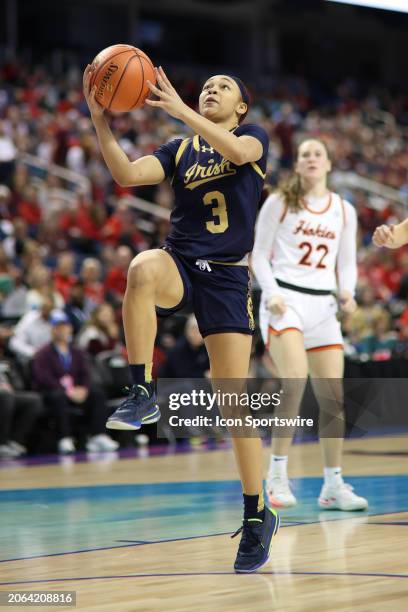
pixel 65 249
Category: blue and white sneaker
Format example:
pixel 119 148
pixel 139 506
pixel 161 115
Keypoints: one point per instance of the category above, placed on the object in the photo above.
pixel 256 542
pixel 136 410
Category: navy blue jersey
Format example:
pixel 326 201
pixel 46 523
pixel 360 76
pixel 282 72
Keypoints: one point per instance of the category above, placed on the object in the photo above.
pixel 216 202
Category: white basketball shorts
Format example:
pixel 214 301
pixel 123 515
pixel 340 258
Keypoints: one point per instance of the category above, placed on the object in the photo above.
pixel 313 315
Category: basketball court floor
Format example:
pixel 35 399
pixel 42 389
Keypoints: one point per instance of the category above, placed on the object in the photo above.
pixel 147 533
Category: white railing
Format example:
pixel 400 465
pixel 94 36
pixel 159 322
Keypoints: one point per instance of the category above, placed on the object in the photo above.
pixel 63 173
pixel 340 180
pixel 161 212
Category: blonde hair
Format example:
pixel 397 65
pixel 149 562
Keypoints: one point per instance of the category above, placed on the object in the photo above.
pixel 291 188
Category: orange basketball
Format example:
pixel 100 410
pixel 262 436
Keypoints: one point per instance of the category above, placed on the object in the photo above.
pixel 120 73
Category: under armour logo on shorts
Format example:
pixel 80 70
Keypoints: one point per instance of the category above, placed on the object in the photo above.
pixel 203 265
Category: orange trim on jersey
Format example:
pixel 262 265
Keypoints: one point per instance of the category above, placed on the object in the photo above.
pixel 343 208
pixel 284 212
pixel 318 212
pixel 327 347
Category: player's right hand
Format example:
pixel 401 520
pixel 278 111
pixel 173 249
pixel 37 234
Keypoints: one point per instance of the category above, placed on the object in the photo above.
pixel 384 237
pixel 276 305
pixel 95 108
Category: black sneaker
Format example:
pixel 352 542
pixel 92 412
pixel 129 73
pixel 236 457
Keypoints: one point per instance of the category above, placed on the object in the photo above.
pixel 136 410
pixel 256 541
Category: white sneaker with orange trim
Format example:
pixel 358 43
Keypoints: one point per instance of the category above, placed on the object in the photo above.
pixel 341 497
pixel 279 492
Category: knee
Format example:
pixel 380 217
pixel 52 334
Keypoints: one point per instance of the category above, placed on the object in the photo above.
pixel 142 273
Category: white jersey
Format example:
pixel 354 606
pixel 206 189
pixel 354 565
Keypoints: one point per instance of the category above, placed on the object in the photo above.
pixel 314 248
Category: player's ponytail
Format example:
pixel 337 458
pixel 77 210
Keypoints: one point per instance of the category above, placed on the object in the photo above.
pixel 292 192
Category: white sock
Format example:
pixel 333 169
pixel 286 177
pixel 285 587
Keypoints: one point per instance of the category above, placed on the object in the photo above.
pixel 278 467
pixel 332 476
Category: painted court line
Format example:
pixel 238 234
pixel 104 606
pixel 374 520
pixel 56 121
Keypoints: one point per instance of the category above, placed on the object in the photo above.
pixel 210 535
pixel 191 574
pixel 133 543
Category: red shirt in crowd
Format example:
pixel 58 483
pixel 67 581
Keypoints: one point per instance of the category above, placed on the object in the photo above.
pixel 116 281
pixel 95 291
pixel 63 284
pixel 82 220
pixel 30 212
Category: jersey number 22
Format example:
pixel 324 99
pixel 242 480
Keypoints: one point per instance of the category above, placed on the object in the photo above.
pixel 322 249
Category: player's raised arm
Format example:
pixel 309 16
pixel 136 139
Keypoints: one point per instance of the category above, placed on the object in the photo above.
pixel 391 236
pixel 217 93
pixel 145 171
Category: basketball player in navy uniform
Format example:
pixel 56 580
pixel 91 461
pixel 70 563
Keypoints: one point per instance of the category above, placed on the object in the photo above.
pixel 217 176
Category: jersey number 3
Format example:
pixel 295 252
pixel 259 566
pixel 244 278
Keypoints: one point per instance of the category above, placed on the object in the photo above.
pixel 219 212
pixel 306 261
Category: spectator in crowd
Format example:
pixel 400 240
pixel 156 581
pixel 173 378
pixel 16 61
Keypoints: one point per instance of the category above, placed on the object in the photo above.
pixel 5 334
pixel 42 285
pixel 402 293
pixel 61 374
pixel 31 257
pixel 361 321
pixel 8 152
pixel 15 298
pixel 8 276
pixel 188 358
pixel 64 277
pixel 121 228
pixel 78 306
pixel 91 274
pixel 401 346
pixel 84 224
pixel 102 331
pixel 116 278
pixel 33 331
pixel 7 269
pixel 285 131
pixel 19 411
pixel 29 210
pixel 5 204
pixel 16 241
pixel 380 344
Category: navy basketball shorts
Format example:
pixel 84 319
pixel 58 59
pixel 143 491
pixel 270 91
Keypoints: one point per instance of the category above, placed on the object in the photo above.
pixel 220 295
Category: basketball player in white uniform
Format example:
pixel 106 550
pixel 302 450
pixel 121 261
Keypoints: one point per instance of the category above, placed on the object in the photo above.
pixel 304 253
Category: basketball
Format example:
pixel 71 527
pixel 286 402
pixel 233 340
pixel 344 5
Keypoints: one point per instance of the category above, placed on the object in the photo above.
pixel 120 73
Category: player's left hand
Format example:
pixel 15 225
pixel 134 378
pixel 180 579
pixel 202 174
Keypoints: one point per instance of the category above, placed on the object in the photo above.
pixel 347 302
pixel 169 100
